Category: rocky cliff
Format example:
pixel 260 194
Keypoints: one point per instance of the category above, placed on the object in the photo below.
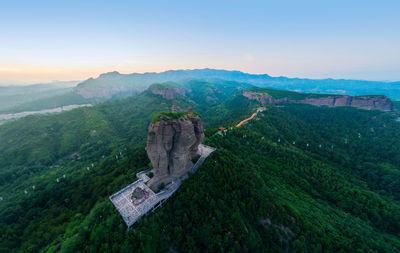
pixel 172 143
pixel 168 92
pixel 105 92
pixel 363 102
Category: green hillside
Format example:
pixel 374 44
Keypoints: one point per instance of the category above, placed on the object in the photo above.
pixel 294 179
pixel 397 104
pixel 274 93
pixel 279 93
pixel 212 92
pixel 113 81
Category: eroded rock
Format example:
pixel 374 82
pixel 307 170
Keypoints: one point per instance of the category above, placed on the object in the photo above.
pixel 168 92
pixel 172 143
pixel 362 102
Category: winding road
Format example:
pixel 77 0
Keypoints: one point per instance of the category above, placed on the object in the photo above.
pixel 251 117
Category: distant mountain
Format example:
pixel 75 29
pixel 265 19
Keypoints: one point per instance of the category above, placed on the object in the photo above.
pixel 113 84
pixel 38 96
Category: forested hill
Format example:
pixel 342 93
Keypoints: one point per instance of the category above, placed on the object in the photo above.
pixel 114 84
pixel 296 178
pixel 48 162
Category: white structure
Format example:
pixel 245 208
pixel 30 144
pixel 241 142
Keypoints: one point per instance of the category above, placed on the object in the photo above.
pixel 131 212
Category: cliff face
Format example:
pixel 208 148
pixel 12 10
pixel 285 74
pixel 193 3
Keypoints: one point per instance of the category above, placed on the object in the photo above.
pixel 169 93
pixel 363 102
pixel 171 145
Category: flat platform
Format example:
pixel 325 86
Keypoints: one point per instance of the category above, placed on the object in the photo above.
pixel 131 212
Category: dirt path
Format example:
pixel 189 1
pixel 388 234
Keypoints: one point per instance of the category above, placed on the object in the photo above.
pixel 244 121
pixel 252 116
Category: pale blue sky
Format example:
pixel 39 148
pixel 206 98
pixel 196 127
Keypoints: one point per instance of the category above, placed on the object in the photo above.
pixel 46 40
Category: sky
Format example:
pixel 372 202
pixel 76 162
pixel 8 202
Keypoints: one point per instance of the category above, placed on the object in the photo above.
pixel 42 41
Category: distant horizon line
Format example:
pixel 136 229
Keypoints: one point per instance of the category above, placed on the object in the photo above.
pixel 15 82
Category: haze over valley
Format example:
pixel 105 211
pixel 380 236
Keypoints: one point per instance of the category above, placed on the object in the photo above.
pixel 255 126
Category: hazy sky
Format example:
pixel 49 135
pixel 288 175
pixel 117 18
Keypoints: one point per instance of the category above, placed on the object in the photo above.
pixel 64 40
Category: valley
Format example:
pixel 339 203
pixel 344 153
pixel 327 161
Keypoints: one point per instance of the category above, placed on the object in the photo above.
pixel 327 174
pixel 13 116
pixel 199 126
pixel 114 84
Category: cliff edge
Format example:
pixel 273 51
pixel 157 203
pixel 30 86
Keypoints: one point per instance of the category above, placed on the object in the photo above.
pixel 367 102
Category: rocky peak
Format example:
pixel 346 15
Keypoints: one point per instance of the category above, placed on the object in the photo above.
pixel 263 98
pixel 110 75
pixel 172 143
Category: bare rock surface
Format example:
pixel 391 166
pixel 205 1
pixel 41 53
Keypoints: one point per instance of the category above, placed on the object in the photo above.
pixel 172 143
pixel 169 92
pixel 138 193
pixel 362 102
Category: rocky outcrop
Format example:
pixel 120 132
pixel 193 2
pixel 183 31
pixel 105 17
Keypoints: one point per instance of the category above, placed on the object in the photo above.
pixel 172 143
pixel 363 102
pixel 104 92
pixel 168 92
pixel 138 193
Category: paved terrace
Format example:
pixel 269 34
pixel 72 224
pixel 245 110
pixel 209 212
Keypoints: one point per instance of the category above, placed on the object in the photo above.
pixel 131 213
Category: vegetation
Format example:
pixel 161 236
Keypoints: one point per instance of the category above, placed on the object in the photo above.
pixel 290 94
pixel 168 116
pixel 164 85
pixel 397 104
pixel 44 148
pixel 280 93
pixel 294 179
pixel 116 81
pixel 208 93
pixel 161 186
pixel 196 158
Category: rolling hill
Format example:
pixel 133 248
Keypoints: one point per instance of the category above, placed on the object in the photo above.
pixel 295 178
pixel 114 84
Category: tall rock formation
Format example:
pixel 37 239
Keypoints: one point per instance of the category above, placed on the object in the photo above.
pixel 172 143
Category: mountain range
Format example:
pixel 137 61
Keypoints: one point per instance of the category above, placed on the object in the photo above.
pixel 114 84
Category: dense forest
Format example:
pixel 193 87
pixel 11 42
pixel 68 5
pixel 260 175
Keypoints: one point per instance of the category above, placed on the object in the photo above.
pixel 296 178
